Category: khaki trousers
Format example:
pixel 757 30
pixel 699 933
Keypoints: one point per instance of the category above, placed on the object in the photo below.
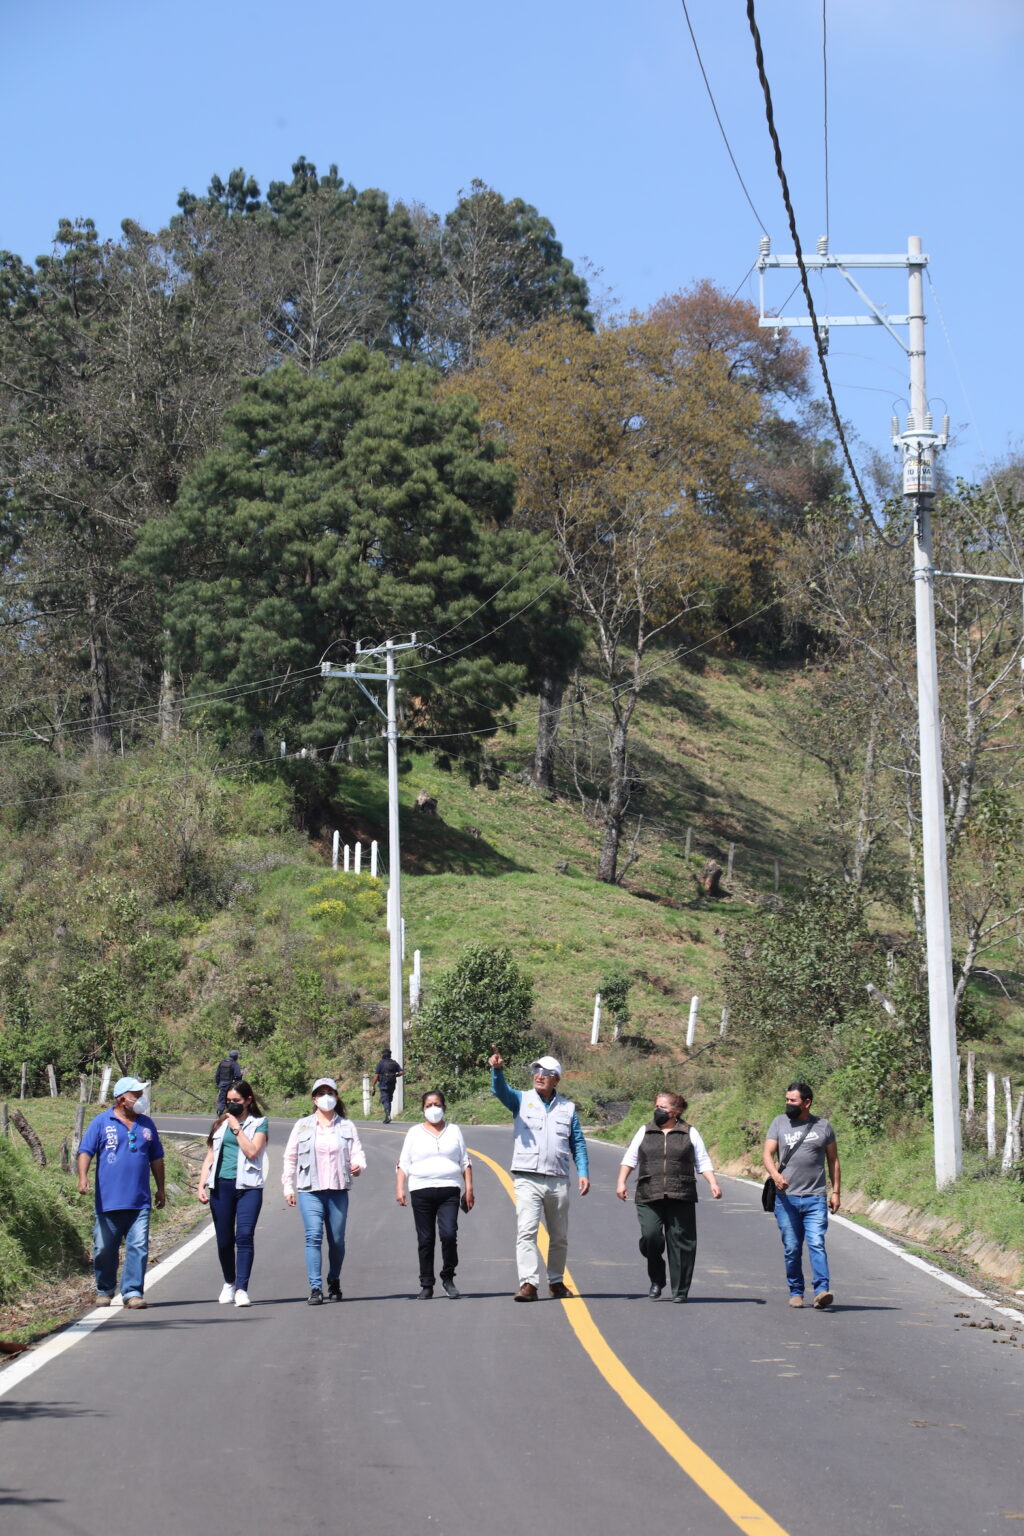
pixel 541 1196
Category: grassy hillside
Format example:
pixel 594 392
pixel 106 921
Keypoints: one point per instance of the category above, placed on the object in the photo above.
pixel 165 902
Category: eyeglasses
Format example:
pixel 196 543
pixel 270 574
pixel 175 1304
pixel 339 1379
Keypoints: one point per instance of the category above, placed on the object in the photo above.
pixel 132 1143
pixel 542 1072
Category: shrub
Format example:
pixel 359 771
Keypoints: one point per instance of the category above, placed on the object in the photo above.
pixel 483 1004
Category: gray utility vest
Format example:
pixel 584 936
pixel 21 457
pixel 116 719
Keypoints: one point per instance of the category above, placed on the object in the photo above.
pixel 543 1135
pixel 666 1165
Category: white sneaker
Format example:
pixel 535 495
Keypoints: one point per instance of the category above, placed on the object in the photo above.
pixel 227 1295
pixel 242 1299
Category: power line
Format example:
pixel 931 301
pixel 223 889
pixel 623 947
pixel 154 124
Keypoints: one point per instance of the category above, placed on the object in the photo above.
pixel 798 249
pixel 718 120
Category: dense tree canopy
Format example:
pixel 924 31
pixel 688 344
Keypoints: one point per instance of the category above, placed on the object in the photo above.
pixel 350 506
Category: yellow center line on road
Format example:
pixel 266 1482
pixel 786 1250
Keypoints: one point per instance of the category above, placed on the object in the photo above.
pixel 686 1453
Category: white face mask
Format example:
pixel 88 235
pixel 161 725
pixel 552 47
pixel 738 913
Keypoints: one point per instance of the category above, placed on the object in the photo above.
pixel 434 1113
pixel 325 1101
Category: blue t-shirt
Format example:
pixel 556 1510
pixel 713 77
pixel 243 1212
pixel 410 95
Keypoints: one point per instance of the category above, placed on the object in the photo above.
pixel 123 1155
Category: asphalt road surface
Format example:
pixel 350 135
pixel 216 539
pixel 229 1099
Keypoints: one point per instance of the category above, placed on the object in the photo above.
pixel 384 1415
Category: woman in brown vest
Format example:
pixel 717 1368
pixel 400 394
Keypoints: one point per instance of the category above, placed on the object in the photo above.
pixel 667 1155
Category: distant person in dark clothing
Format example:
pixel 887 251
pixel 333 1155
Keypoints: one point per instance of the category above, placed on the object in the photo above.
pixel 386 1075
pixel 228 1072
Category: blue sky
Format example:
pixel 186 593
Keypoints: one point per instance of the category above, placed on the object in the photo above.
pixel 597 114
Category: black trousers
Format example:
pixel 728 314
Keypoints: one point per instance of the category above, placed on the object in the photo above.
pixel 436 1214
pixel 670 1224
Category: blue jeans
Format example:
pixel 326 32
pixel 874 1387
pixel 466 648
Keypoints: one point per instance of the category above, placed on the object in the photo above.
pixel 803 1219
pixel 320 1208
pixel 235 1213
pixel 110 1229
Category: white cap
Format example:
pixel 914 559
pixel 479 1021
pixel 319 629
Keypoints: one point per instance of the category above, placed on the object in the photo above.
pixel 546 1064
pixel 325 1082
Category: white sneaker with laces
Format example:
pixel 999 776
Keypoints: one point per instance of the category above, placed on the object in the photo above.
pixel 242 1299
pixel 227 1295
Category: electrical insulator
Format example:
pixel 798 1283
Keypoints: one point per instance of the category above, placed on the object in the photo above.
pixel 765 245
pixel 823 245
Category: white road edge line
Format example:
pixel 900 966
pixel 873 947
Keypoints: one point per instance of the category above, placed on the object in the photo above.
pixel 890 1247
pixel 14 1374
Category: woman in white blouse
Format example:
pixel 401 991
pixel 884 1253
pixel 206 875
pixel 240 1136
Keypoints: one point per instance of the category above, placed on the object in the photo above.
pixel 323 1156
pixel 435 1166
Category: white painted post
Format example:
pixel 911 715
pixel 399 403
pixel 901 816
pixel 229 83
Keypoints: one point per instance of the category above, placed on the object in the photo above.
pixel 348 853
pixel 969 1114
pixel 595 1028
pixel 366 1095
pixel 283 749
pixel 24 1070
pixel 334 850
pixel 108 1073
pixel 359 858
pixel 723 1028
pixel 1018 1115
pixel 691 1028
pixel 51 1074
pixel 990 1113
pixel 373 860
pixel 414 993
pixel 732 855
pixel 1007 1162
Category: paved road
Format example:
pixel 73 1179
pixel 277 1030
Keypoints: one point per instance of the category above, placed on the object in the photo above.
pixel 382 1415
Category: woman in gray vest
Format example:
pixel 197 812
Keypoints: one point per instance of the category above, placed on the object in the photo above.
pixel 323 1156
pixel 667 1155
pixel 231 1182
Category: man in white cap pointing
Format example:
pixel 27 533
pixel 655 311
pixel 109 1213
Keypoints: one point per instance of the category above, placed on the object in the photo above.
pixel 127 1149
pixel 547 1138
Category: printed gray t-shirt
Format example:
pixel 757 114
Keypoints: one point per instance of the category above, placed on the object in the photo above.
pixel 805 1169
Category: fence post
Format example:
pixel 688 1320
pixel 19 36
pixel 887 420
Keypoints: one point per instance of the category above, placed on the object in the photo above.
pixel 1007 1162
pixel 359 858
pixel 689 840
pixel 373 860
pixel 335 844
pixel 691 1027
pixel 732 855
pixel 76 1135
pixel 595 1028
pixel 24 1069
pixel 52 1076
pixel 969 1115
pixel 1017 1116
pixel 347 853
pixel 282 749
pixel 990 1113
pixel 366 1096
pixel 723 1028
pixel 108 1072
pixel 83 1088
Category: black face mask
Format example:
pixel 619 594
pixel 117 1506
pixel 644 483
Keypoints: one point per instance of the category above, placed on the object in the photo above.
pixel 794 1111
pixel 662 1116
pixel 238 1110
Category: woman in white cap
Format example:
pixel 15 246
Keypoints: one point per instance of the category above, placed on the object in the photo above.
pixel 231 1183
pixel 321 1159
pixel 435 1165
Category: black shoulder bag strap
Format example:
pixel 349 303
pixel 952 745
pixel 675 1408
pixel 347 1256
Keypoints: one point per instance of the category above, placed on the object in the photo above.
pixel 790 1150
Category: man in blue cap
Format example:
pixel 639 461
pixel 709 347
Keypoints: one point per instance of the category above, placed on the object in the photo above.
pixel 127 1148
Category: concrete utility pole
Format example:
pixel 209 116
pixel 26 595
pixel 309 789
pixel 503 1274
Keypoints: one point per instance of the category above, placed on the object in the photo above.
pixel 390 678
pixel 918 443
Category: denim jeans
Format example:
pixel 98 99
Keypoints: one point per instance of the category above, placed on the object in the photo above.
pixel 235 1213
pixel 803 1219
pixel 324 1208
pixel 435 1211
pixel 110 1229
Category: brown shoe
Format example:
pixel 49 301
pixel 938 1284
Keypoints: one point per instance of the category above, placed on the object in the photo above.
pixel 823 1299
pixel 526 1292
pixel 560 1291
pixel 796 1301
pixel 136 1303
pixel 102 1300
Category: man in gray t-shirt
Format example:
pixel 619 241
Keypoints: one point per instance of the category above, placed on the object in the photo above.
pixel 796 1149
